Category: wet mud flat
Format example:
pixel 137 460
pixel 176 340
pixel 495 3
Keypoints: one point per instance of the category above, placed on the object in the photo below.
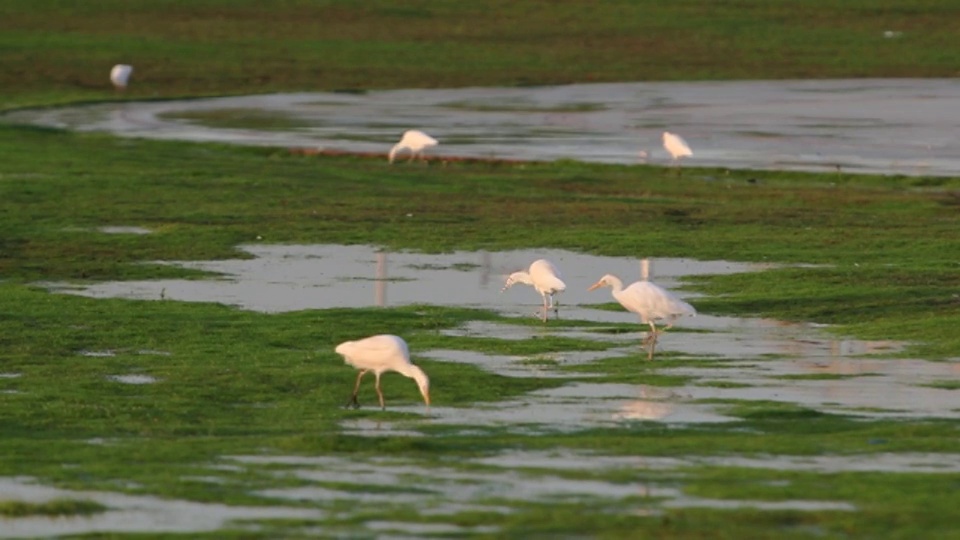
pixel 882 126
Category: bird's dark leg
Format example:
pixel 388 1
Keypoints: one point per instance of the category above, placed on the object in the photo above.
pixel 380 393
pixel 653 343
pixel 651 340
pixel 356 389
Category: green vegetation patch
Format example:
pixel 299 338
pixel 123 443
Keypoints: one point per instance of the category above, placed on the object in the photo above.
pixel 54 508
pixel 239 118
pixel 946 385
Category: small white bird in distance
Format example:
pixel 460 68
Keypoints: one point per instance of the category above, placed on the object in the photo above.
pixel 380 354
pixel 120 75
pixel 414 141
pixel 545 278
pixel 648 300
pixel 676 146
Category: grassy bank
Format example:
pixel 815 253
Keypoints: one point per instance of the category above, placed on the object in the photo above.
pixel 56 51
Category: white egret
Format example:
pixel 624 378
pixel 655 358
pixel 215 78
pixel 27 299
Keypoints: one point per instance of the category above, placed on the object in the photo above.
pixel 648 300
pixel 545 278
pixel 120 75
pixel 676 146
pixel 380 354
pixel 414 141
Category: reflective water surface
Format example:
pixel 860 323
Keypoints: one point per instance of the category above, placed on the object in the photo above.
pixel 886 126
pixel 294 277
pixel 128 513
pixel 751 358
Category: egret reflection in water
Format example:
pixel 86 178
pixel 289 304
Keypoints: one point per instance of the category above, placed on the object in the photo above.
pixel 382 277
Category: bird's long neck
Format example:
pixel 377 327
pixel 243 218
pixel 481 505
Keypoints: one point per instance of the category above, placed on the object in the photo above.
pixel 518 277
pixel 393 151
pixel 615 284
pixel 412 371
pixel 417 374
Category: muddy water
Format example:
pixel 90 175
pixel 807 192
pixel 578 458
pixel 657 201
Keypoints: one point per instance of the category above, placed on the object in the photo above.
pixel 886 126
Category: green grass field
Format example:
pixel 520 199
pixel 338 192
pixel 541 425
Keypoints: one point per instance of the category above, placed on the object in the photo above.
pixel 235 383
pixel 56 51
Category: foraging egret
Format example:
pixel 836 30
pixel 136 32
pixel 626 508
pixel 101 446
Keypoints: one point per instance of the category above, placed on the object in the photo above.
pixel 415 141
pixel 545 278
pixel 676 146
pixel 119 76
pixel 380 354
pixel 648 300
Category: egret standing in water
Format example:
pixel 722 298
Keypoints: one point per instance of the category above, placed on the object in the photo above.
pixel 648 300
pixel 676 146
pixel 120 75
pixel 545 278
pixel 414 141
pixel 380 354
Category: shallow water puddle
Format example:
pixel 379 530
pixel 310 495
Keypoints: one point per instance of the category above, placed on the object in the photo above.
pixel 862 386
pixel 569 408
pixel 489 484
pixel 886 126
pixel 132 379
pixel 124 230
pixel 97 354
pixel 874 388
pixel 387 529
pixel 292 277
pixel 579 405
pixel 129 513
pixel 377 428
pixel 569 460
pixel 539 366
pixel 764 359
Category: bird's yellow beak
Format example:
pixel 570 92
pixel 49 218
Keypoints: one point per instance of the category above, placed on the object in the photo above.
pixel 596 285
